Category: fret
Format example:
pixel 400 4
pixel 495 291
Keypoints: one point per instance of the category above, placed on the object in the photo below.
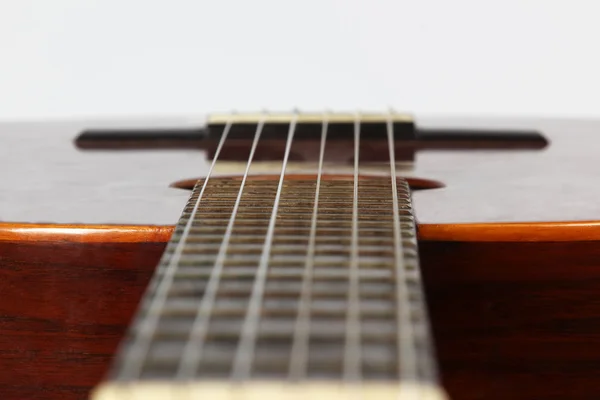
pixel 137 353
pixel 286 287
pixel 242 363
pixel 285 300
pixel 408 291
pixel 303 326
pixel 352 370
pixel 188 366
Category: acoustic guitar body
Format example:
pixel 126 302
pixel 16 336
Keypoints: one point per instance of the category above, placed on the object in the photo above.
pixel 509 245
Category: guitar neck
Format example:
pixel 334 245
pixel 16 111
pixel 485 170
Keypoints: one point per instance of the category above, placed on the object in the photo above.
pixel 286 287
pixel 326 301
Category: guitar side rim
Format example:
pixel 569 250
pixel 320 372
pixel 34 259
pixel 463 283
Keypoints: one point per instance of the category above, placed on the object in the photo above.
pixel 551 231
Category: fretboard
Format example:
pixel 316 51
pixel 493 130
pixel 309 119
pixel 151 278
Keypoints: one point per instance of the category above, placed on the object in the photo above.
pixel 332 293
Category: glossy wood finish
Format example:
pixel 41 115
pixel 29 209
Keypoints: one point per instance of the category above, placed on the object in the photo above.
pixel 524 232
pixel 576 231
pixel 512 320
pixel 194 138
pixel 77 233
pixel 63 307
pixel 128 139
pixel 516 320
pixel 514 308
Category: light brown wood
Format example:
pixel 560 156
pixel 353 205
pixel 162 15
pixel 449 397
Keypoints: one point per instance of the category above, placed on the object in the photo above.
pixel 579 231
pixel 514 232
pixel 15 232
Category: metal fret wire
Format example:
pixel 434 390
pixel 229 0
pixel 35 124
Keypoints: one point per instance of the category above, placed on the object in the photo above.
pixel 407 360
pixel 245 350
pixel 192 353
pixel 422 366
pixel 411 364
pixel 352 350
pixel 299 353
pixel 137 354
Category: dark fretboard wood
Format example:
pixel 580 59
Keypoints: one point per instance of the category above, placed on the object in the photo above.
pixel 340 303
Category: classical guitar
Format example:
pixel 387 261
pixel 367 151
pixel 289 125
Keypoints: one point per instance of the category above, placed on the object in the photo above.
pixel 320 255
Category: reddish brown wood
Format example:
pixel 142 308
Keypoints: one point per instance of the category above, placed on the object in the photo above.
pixel 516 320
pixel 63 308
pixel 511 320
pixel 515 306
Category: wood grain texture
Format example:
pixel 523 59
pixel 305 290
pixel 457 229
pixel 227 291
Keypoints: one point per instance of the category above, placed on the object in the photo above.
pixel 566 231
pixel 516 320
pixel 14 232
pixel 511 320
pixel 63 308
pixel 515 232
pixel 515 310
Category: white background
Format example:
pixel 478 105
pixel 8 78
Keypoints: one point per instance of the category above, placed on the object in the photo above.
pixel 74 58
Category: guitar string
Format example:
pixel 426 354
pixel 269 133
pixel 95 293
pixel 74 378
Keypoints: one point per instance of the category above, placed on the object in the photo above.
pixel 245 351
pixel 352 350
pixel 405 347
pixel 138 352
pixel 192 354
pixel 299 353
pixel 407 364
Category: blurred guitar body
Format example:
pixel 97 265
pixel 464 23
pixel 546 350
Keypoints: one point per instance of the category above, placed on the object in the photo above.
pixel 508 242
